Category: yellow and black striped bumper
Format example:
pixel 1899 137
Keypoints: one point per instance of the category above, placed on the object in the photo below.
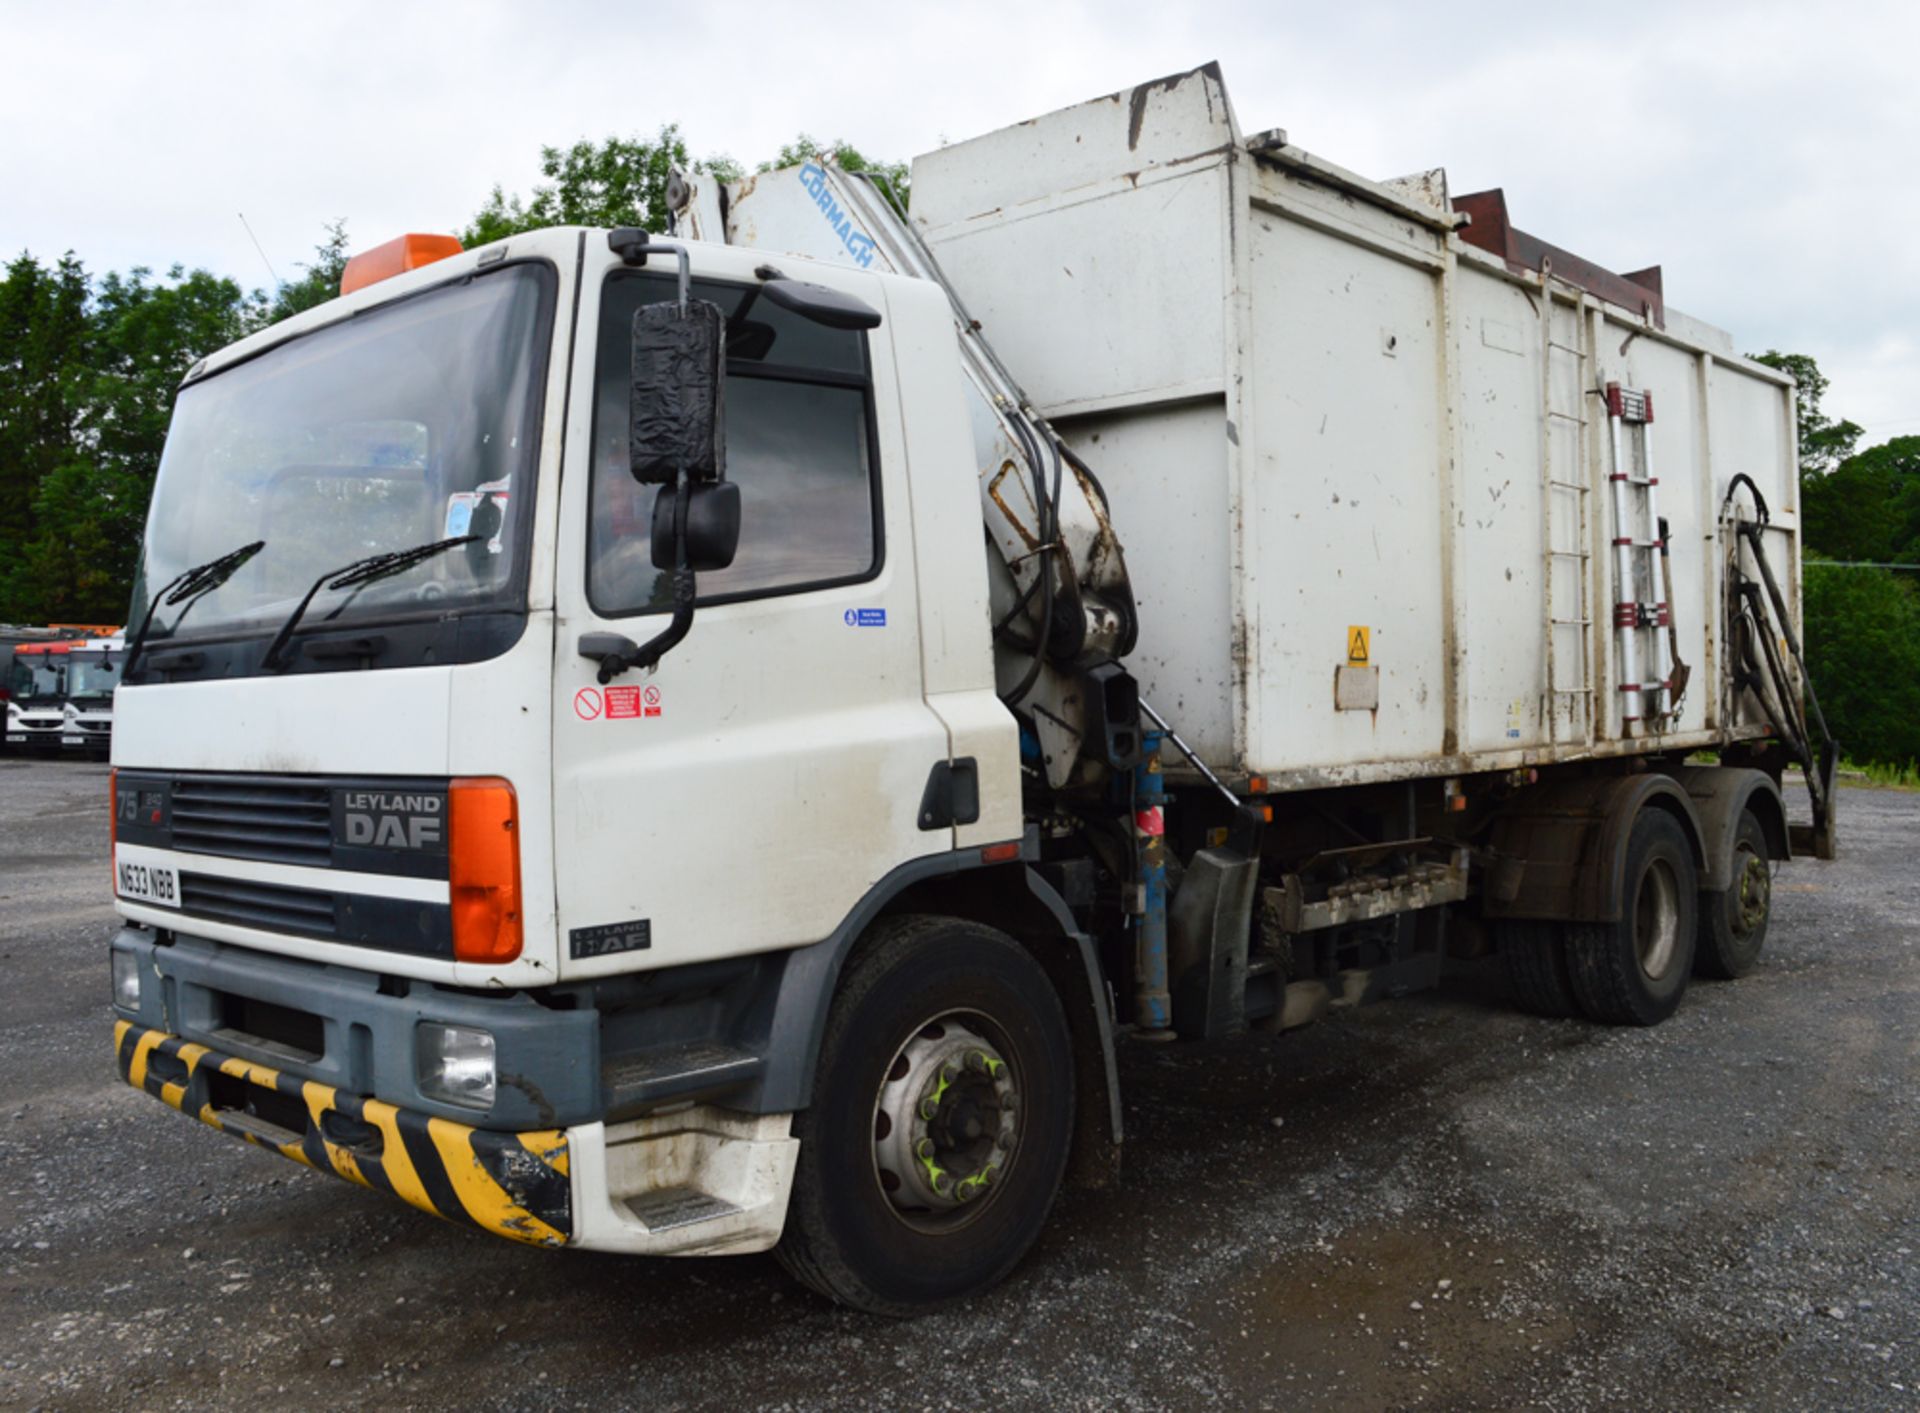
pixel 513 1184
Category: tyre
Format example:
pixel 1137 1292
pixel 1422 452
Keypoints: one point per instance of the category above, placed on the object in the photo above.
pixel 1634 971
pixel 941 1120
pixel 1535 955
pixel 1733 924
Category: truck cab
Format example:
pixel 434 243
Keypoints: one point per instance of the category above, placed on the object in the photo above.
pixel 36 697
pixel 93 674
pixel 418 893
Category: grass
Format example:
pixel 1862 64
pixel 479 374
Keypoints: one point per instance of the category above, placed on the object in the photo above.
pixel 1887 777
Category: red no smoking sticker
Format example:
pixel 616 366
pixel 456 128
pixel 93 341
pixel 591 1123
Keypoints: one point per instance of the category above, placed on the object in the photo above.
pixel 616 703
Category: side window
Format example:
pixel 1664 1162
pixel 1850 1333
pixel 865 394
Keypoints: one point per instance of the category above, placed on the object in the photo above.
pixel 799 409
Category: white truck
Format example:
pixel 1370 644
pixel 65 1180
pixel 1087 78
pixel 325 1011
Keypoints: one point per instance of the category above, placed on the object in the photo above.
pixel 93 675
pixel 707 744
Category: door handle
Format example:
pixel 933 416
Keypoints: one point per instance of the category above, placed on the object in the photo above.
pixel 614 652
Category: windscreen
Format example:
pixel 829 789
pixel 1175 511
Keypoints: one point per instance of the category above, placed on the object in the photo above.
pixel 37 677
pixel 402 425
pixel 92 675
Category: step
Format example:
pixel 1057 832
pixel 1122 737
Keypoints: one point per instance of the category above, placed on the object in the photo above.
pixel 666 1208
pixel 683 1070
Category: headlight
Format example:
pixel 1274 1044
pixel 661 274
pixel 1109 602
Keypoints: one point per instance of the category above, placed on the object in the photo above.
pixel 455 1064
pixel 126 980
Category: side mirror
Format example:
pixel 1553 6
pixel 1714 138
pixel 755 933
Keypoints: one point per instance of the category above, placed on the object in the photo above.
pixel 712 529
pixel 677 413
pixel 820 305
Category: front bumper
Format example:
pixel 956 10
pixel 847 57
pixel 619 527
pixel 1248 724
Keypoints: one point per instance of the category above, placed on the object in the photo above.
pixel 515 1185
pixel 698 1181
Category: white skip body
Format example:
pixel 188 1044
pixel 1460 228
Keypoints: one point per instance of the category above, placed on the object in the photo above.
pixel 656 745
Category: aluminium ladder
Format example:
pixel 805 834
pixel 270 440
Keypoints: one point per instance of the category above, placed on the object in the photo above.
pixel 1563 375
pixel 1639 609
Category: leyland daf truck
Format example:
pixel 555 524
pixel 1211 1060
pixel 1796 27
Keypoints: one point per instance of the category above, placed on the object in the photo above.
pixel 708 739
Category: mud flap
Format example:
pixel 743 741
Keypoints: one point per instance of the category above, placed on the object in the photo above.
pixel 1208 927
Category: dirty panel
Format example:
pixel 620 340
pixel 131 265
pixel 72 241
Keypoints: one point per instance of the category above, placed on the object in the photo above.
pixel 1128 131
pixel 1500 555
pixel 1345 473
pixel 1064 294
pixel 1165 471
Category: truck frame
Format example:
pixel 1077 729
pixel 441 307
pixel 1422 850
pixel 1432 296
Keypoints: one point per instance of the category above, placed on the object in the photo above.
pixel 706 741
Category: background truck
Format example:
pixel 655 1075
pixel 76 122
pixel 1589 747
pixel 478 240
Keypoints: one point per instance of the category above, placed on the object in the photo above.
pixel 707 745
pixel 93 675
pixel 36 695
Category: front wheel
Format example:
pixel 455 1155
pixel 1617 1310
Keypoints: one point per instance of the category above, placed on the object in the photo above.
pixel 941 1118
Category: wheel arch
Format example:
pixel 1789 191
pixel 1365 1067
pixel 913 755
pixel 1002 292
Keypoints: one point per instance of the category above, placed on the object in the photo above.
pixel 1010 897
pixel 1720 794
pixel 1561 847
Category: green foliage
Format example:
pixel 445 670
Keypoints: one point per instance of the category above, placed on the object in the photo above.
pixel 1824 443
pixel 87 378
pixel 1888 777
pixel 621 181
pixel 895 176
pixel 1863 653
pixel 320 283
pixel 1869 507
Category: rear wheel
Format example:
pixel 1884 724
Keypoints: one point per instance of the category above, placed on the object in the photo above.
pixel 1535 954
pixel 1634 971
pixel 1733 924
pixel 941 1118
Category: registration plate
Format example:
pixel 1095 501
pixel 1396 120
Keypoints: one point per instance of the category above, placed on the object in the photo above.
pixel 153 883
pixel 73 740
pixel 15 739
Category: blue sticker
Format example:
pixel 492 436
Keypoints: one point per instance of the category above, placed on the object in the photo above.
pixel 865 618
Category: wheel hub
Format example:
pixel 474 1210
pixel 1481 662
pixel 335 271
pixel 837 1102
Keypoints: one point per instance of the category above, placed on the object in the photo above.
pixel 1755 893
pixel 1656 919
pixel 946 1120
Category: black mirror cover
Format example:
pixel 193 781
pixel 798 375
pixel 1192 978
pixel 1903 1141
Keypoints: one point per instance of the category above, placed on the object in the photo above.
pixel 713 526
pixel 678 420
pixel 821 305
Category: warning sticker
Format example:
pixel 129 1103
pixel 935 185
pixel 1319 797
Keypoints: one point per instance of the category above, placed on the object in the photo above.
pixel 616 703
pixel 1359 644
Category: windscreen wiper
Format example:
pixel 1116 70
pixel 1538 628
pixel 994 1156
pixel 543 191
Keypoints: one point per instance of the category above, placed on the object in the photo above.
pixel 360 572
pixel 189 588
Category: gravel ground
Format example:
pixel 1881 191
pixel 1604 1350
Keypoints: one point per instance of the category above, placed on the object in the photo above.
pixel 1438 1203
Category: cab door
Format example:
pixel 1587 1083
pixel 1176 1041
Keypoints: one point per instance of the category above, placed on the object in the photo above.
pixel 744 794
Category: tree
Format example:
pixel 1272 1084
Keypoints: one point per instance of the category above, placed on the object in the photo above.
pixel 1863 654
pixel 895 177
pixel 320 283
pixel 1869 508
pixel 44 347
pixel 621 181
pixel 87 382
pixel 1824 443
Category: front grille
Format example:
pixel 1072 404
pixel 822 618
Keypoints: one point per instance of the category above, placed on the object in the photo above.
pixel 270 820
pixel 96 726
pixel 251 904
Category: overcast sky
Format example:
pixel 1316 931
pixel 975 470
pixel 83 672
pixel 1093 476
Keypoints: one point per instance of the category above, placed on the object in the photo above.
pixel 1762 153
